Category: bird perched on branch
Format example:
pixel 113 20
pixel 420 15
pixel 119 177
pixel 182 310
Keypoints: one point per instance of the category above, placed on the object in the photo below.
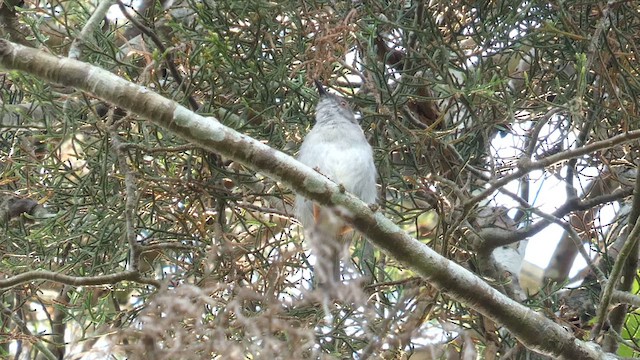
pixel 337 148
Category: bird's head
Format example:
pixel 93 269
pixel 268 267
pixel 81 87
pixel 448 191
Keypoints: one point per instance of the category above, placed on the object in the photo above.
pixel 332 108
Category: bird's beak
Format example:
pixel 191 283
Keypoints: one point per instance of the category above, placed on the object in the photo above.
pixel 321 89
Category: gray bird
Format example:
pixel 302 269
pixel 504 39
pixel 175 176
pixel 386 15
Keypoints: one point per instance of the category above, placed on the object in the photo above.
pixel 337 148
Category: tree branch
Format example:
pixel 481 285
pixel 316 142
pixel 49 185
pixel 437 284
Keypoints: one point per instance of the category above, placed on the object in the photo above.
pixel 493 238
pixel 526 166
pixel 169 61
pixel 93 23
pixel 75 280
pixel 625 265
pixel 37 343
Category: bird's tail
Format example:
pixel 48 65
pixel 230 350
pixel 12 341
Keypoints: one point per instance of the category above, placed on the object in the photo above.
pixel 328 245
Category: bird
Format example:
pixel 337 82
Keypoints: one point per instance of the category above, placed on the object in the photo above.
pixel 337 148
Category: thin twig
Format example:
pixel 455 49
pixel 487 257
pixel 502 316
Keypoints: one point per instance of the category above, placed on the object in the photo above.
pixel 25 330
pixel 567 208
pixel 526 166
pixel 151 150
pixel 75 280
pixel 624 297
pixel 535 132
pixel 630 246
pixel 168 56
pixel 577 241
pixel 92 24
pixel 130 199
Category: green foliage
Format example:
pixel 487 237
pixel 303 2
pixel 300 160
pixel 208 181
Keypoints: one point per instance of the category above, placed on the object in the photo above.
pixel 433 85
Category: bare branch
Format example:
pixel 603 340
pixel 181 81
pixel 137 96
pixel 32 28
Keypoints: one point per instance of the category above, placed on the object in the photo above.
pixel 493 238
pixel 167 54
pixel 525 166
pixel 92 24
pixel 75 280
pixel 626 263
pixel 130 199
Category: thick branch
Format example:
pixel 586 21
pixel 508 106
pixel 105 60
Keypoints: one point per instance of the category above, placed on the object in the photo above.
pixel 531 328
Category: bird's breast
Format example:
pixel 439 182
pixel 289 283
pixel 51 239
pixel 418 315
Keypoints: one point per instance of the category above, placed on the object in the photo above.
pixel 344 156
